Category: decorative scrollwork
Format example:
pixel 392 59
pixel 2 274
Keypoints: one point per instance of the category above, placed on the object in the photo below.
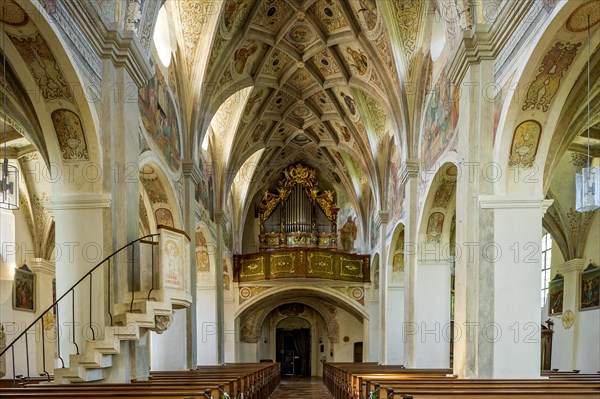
pixel 298 174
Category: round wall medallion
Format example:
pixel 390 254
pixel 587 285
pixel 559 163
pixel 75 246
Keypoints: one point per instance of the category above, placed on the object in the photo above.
pixel 346 338
pixel 357 293
pixel 567 319
pixel 245 292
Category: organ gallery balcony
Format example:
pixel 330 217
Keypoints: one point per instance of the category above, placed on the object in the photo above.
pixel 301 263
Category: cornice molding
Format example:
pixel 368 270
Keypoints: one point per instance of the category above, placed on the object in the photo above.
pixel 485 41
pixel 192 170
pixel 514 202
pixel 122 47
pixel 571 266
pixel 221 218
pixel 42 266
pixel 409 170
pixel 384 217
pixel 81 201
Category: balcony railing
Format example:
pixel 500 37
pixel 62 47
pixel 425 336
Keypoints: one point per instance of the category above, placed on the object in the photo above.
pixel 301 263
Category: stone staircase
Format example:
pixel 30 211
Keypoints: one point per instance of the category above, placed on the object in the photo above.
pixel 97 357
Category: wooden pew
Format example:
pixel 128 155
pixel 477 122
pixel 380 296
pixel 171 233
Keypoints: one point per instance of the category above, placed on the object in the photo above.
pixel 355 381
pixel 254 381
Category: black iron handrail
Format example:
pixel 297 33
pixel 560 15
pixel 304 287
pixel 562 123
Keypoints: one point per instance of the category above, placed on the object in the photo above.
pixel 72 291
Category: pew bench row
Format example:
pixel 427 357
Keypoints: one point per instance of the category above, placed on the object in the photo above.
pixel 370 381
pixel 249 381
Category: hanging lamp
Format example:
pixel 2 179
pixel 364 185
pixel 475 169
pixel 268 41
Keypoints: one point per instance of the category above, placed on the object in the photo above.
pixel 587 182
pixel 9 182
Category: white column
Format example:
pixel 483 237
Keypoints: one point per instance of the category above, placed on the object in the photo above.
pixel 384 309
pixel 373 325
pixel 221 221
pixel 409 176
pixel 79 237
pixel 44 274
pixel 565 340
pixel 191 176
pixel 366 339
pixel 432 328
pixel 510 263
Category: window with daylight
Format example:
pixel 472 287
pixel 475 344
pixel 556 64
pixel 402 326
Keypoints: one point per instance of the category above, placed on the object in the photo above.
pixel 546 262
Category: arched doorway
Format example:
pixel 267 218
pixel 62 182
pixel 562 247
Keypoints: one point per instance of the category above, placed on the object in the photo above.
pixel 293 342
pixel 332 325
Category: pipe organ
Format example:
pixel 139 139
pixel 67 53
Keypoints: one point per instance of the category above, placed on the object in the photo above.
pixel 299 216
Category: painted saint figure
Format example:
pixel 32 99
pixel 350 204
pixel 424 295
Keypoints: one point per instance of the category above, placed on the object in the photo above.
pixel 348 234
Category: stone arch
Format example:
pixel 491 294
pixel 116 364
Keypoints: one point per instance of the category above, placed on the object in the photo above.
pixel 158 194
pixel 68 122
pixel 297 290
pixel 206 248
pixel 292 293
pixel 375 272
pixel 435 219
pixel 544 124
pixel 396 256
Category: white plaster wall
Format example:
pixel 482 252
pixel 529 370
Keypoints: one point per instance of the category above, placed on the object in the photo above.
pixel 579 346
pixel 562 353
pixel 588 348
pixel 24 249
pixel 373 341
pixel 14 240
pixel 264 346
pixel 229 321
pixel 394 324
pixel 515 332
pixel 351 328
pixel 206 317
pixel 247 352
pixel 168 350
pixel 432 346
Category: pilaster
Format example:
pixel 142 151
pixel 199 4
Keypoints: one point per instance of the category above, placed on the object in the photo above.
pixel 79 238
pixel 432 328
pixel 191 178
pixel 221 221
pixel 384 218
pixel 564 356
pixel 409 175
pixel 44 274
pixel 511 276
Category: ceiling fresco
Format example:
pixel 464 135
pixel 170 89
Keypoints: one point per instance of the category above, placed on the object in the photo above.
pixel 321 80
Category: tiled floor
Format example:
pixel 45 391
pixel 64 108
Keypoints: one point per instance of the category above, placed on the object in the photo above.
pixel 301 388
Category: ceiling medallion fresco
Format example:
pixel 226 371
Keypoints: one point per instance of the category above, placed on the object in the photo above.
pixel 578 20
pixel 12 14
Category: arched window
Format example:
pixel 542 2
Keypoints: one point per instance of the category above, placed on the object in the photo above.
pixel 546 262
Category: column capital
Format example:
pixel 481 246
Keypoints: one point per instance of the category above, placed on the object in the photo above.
pixel 221 218
pixel 571 266
pixel 384 217
pixel 192 171
pixel 81 201
pixel 409 170
pixel 42 266
pixel 514 202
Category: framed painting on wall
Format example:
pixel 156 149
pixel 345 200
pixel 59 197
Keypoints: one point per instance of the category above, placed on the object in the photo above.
pixel 590 288
pixel 555 295
pixel 24 290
